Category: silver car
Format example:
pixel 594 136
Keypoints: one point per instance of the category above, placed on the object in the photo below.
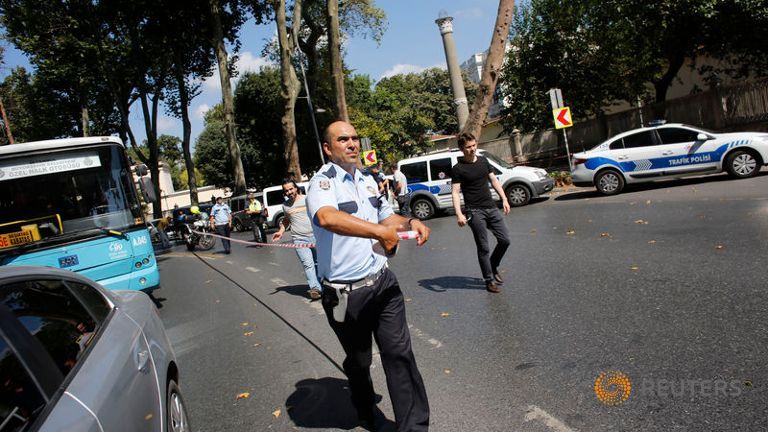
pixel 76 357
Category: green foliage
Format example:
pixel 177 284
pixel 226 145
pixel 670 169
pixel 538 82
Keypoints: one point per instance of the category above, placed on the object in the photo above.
pixel 601 52
pixel 403 109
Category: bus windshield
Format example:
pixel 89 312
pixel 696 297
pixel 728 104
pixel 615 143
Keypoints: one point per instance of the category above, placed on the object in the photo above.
pixel 66 194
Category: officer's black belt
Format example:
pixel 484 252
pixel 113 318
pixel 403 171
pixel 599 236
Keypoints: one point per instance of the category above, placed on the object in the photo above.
pixel 367 281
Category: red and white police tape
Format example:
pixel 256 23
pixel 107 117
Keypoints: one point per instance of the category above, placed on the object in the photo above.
pixel 404 235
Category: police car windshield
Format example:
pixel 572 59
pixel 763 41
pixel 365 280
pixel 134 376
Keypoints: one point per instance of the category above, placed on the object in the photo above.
pixel 501 162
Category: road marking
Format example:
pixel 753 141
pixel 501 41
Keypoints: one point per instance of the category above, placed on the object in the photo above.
pixel 253 270
pixel 229 262
pixel 274 264
pixel 425 337
pixel 536 413
pixel 279 282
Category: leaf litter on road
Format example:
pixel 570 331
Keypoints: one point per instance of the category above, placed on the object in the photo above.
pixel 276 413
pixel 244 395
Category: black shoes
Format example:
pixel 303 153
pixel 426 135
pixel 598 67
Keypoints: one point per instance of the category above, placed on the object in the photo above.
pixel 491 286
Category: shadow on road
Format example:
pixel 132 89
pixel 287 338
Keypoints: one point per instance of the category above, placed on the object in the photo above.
pixel 325 403
pixel 661 184
pixel 297 290
pixel 445 283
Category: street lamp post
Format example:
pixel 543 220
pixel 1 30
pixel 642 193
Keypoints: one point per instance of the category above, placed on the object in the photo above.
pixel 312 113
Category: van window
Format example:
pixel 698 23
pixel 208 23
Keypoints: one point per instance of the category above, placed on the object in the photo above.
pixel 415 172
pixel 440 169
pixel 275 197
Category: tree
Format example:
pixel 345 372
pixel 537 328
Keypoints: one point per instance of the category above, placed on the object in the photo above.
pixel 334 49
pixel 227 98
pixel 491 68
pixel 289 83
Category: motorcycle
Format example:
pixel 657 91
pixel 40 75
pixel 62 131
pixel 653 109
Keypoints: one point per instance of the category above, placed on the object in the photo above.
pixel 192 228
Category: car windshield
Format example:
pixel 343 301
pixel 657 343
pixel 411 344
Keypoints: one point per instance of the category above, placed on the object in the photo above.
pixel 65 193
pixel 500 162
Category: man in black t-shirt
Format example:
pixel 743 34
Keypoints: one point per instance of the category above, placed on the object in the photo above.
pixel 470 177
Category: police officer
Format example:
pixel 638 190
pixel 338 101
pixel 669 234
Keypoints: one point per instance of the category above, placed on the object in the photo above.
pixel 361 296
pixel 255 212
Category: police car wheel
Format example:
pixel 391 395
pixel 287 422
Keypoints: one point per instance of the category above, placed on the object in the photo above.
pixel 742 164
pixel 518 195
pixel 422 209
pixel 609 182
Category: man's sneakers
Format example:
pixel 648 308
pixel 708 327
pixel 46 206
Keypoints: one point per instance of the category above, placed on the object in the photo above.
pixel 315 294
pixel 497 278
pixel 491 286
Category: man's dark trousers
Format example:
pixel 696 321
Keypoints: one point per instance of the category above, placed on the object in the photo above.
pixel 481 220
pixel 404 202
pixel 379 311
pixel 223 230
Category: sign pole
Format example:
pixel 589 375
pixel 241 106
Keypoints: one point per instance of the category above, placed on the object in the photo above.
pixel 567 151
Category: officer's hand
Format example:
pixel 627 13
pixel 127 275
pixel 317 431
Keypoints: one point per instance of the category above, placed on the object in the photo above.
pixel 277 236
pixel 423 231
pixel 389 238
pixel 461 219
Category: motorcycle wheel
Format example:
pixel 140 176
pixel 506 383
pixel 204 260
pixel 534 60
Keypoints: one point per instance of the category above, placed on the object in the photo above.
pixel 206 242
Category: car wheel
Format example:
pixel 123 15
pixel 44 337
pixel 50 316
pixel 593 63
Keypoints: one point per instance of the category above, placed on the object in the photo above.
pixel 279 221
pixel 742 164
pixel 422 208
pixel 609 182
pixel 176 409
pixel 518 195
pixel 238 226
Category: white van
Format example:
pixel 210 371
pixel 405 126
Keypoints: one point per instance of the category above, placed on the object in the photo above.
pixel 429 181
pixel 273 202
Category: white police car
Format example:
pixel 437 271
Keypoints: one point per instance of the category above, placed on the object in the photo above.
pixel 667 151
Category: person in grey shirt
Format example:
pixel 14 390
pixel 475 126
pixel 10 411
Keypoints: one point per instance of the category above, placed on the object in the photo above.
pixel 296 218
pixel 401 192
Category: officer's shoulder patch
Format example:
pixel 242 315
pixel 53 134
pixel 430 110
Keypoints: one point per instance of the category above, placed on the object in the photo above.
pixel 324 184
pixel 330 172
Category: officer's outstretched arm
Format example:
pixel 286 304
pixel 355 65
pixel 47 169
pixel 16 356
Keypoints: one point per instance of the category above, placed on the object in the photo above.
pixel 339 222
pixel 405 224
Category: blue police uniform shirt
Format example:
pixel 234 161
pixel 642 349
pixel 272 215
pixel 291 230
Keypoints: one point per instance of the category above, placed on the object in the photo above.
pixel 339 257
pixel 220 214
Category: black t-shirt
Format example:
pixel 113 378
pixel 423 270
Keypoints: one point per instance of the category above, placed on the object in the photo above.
pixel 473 178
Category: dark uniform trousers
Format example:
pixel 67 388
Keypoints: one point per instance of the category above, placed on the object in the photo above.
pixel 489 218
pixel 379 310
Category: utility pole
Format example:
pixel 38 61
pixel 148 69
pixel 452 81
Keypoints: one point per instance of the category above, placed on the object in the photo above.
pixel 312 113
pixel 5 121
pixel 454 72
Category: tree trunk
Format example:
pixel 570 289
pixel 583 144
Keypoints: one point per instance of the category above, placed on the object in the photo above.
pixel 85 120
pixel 227 100
pixel 334 46
pixel 491 69
pixel 662 85
pixel 289 86
pixel 150 127
pixel 186 137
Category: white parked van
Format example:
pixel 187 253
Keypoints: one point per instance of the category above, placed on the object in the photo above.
pixel 429 181
pixel 273 202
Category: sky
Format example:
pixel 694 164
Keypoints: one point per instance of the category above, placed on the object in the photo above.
pixel 411 43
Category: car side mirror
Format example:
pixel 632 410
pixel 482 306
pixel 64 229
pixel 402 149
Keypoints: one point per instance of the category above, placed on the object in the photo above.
pixel 702 137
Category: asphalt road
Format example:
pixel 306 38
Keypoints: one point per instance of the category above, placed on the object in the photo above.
pixel 665 284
